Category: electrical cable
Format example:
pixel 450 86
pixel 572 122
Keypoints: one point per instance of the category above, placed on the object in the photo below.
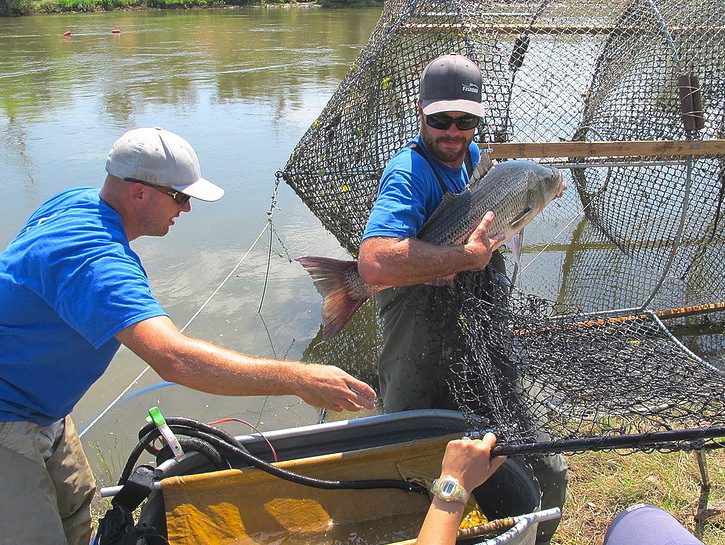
pixel 228 445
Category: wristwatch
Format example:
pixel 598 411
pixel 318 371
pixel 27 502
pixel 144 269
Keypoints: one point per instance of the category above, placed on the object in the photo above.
pixel 449 489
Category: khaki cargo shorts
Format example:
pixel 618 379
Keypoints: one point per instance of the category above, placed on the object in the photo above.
pixel 47 485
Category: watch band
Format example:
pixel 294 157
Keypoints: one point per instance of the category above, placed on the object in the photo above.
pixel 449 489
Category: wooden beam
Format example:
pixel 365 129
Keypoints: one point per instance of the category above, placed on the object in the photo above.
pixel 512 29
pixel 641 148
pixel 543 29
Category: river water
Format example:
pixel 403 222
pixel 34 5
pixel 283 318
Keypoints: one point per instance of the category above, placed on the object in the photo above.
pixel 242 85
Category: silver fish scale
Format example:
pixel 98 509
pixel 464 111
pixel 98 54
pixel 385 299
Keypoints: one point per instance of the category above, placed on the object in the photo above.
pixel 508 189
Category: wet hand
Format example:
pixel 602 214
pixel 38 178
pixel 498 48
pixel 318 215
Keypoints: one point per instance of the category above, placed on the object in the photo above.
pixel 480 245
pixel 329 387
pixel 470 461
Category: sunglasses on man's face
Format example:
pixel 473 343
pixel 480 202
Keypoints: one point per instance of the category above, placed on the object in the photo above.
pixel 443 122
pixel 180 198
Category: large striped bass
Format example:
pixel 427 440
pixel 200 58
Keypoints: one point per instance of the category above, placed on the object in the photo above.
pixel 516 191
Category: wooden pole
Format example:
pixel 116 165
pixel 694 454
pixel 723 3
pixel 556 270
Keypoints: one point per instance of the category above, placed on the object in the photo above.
pixel 663 314
pixel 538 28
pixel 637 148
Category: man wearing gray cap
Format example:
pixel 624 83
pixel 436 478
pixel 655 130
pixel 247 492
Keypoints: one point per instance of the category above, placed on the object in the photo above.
pixel 71 292
pixel 439 160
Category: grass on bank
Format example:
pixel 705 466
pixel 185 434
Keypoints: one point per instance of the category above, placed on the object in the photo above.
pixel 601 484
pixel 28 7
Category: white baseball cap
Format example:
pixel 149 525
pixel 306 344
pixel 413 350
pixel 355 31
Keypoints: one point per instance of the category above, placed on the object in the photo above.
pixel 157 156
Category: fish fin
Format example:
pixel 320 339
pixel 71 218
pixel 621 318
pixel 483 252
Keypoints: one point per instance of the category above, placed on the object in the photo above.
pixel 521 216
pixel 482 167
pixel 516 248
pixel 330 277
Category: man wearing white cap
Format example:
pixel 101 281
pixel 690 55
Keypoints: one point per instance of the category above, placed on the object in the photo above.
pixel 71 292
pixel 439 160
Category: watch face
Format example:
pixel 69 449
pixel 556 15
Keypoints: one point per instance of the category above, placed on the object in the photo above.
pixel 448 488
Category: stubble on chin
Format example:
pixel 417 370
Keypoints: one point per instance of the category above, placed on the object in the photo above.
pixel 444 155
pixel 434 145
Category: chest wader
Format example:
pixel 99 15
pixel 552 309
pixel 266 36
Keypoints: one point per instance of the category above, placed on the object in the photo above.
pixel 412 362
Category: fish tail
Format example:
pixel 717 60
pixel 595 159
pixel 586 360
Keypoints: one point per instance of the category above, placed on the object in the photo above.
pixel 332 280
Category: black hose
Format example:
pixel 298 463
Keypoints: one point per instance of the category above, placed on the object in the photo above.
pixel 228 444
pixel 136 453
pixel 192 444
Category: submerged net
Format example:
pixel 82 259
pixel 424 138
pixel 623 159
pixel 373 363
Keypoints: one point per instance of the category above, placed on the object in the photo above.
pixel 617 322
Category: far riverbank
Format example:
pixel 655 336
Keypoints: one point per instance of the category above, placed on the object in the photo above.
pixel 30 7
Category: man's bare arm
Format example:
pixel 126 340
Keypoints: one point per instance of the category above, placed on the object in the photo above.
pixel 204 366
pixel 409 261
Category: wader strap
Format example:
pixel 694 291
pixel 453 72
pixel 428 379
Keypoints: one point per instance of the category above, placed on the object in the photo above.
pixel 424 154
pixel 469 163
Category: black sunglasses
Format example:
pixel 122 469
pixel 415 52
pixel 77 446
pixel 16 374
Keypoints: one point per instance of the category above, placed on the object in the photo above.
pixel 180 198
pixel 443 122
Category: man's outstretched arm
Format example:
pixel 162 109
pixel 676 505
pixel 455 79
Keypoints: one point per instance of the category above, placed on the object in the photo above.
pixel 209 368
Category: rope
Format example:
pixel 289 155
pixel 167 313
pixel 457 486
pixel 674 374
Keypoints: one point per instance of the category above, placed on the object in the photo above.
pixel 579 214
pixel 201 308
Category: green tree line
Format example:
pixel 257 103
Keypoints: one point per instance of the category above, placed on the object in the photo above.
pixel 27 7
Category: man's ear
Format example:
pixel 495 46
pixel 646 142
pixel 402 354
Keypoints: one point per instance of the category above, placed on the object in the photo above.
pixel 136 192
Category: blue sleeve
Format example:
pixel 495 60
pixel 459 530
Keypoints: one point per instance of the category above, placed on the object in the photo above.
pixel 105 296
pixel 90 277
pixel 407 195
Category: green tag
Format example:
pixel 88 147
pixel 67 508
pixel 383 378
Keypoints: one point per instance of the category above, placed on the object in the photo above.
pixel 156 417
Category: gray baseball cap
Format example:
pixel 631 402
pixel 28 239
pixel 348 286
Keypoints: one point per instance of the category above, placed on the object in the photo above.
pixel 160 157
pixel 451 83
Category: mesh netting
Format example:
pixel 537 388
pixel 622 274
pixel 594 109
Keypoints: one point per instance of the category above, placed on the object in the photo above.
pixel 579 375
pixel 639 229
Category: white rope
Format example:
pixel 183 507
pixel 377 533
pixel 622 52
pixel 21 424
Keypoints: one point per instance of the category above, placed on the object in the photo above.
pixel 142 373
pixel 580 214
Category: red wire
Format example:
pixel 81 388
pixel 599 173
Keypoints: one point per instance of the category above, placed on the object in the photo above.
pixel 231 419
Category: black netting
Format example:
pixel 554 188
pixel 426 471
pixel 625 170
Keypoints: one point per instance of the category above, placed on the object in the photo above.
pixel 635 231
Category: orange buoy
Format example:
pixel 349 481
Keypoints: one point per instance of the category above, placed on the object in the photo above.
pixel 116 31
pixel 67 33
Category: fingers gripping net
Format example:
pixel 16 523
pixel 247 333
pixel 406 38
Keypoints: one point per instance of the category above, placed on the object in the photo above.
pixel 636 230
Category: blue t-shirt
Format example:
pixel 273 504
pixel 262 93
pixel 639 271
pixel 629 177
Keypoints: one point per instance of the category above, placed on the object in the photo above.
pixel 69 282
pixel 409 192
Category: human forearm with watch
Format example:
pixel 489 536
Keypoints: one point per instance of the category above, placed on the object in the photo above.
pixel 466 465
